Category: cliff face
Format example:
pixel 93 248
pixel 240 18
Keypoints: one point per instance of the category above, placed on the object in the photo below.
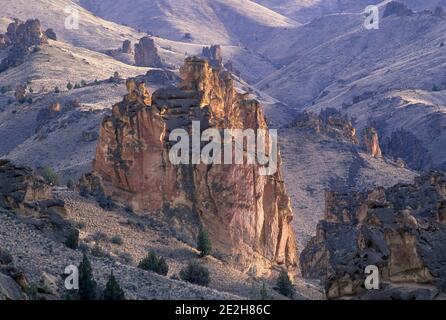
pixel 248 215
pixel 401 230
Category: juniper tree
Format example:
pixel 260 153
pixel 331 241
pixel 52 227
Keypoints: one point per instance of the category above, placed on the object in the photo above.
pixel 204 244
pixel 284 285
pixel 87 285
pixel 112 290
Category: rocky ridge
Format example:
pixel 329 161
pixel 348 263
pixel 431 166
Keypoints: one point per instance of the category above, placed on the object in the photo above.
pixel 401 230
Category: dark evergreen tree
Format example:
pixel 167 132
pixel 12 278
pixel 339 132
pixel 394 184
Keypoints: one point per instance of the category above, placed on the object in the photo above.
pixel 204 244
pixel 112 290
pixel 285 286
pixel 87 285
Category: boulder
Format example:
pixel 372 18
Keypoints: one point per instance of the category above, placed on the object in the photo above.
pixel 51 34
pixel 9 289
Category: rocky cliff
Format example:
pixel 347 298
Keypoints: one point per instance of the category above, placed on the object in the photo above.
pixel 248 215
pixel 401 230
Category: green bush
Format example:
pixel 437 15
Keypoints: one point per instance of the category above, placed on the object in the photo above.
pixel 87 285
pixel 204 244
pixel 112 290
pixel 154 264
pixel 72 241
pixel 50 176
pixel 285 286
pixel 196 274
pixel 69 86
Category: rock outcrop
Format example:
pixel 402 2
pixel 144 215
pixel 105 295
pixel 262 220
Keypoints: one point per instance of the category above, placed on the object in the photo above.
pixel 330 123
pixel 51 34
pixel 401 230
pixel 22 38
pixel 397 8
pixel 127 47
pixel 146 53
pixel 248 215
pixel 213 55
pixel 26 195
pixel 371 141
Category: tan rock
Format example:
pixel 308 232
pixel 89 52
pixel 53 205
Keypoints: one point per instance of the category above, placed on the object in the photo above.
pixel 247 215
pixel 371 141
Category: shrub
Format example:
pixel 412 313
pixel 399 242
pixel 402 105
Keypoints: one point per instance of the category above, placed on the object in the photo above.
pixel 435 88
pixel 56 90
pixel 284 285
pixel 69 86
pixel 72 241
pixel 117 240
pixel 112 290
pixel 70 184
pixel 50 176
pixel 3 90
pixel 106 202
pixel 196 274
pixel 154 264
pixel 87 285
pixel 98 252
pixel 204 243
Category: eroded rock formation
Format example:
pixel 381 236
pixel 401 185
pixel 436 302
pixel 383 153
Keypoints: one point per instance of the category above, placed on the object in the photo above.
pixel 27 195
pixel 127 47
pixel 22 38
pixel 146 53
pixel 371 141
pixel 401 230
pixel 329 122
pixel 248 215
pixel 213 55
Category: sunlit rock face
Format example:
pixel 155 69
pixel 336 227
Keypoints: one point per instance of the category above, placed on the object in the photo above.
pixel 248 215
pixel 371 141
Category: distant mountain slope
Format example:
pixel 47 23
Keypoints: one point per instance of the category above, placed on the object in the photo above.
pixel 214 21
pixel 304 11
pixel 393 76
pixel 93 33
